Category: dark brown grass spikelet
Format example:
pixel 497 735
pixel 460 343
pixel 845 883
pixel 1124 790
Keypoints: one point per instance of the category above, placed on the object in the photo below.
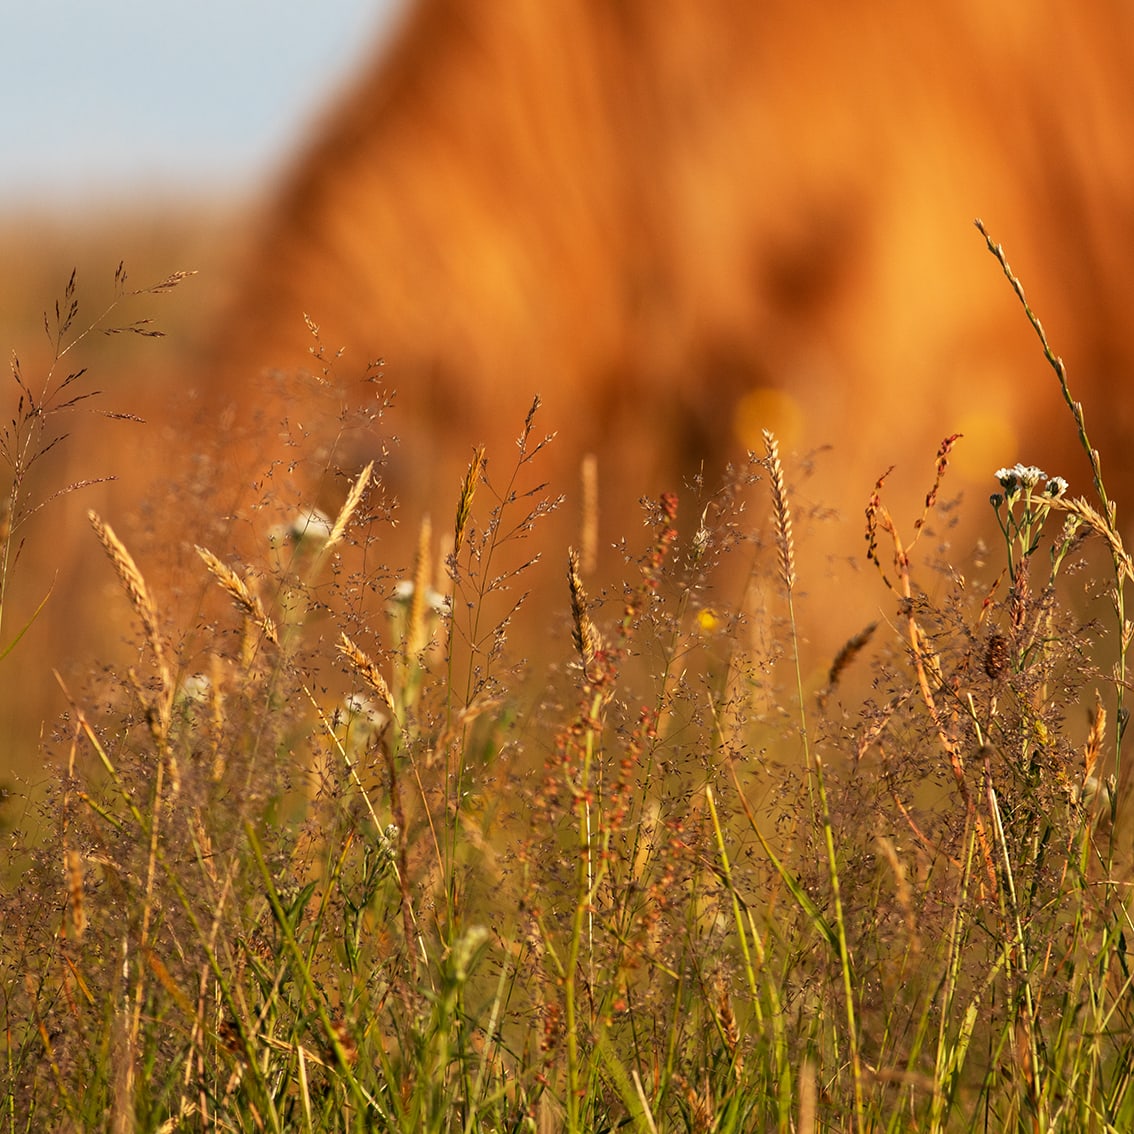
pixel 782 509
pixel 465 500
pixel 585 634
pixel 850 650
pixel 942 464
pixel 876 517
pixel 997 656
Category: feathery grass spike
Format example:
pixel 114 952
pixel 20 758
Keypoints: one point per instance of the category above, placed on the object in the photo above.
pixel 465 500
pixel 782 509
pixel 241 594
pixel 136 589
pixel 348 508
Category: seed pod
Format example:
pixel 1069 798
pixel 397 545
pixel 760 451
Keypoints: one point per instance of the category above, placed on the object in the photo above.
pixel 997 656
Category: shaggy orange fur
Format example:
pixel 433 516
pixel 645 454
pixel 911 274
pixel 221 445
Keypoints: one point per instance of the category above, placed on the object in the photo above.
pixel 681 224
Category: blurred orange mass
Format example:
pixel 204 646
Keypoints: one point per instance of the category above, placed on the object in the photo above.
pixel 680 225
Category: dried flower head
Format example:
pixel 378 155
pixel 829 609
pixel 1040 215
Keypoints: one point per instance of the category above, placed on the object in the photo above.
pixel 1019 476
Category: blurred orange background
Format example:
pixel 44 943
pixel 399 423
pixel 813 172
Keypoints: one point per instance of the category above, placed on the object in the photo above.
pixel 679 225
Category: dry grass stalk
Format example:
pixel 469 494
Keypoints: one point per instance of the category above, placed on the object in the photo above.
pixel 1095 736
pixel 241 594
pixel 138 592
pixel 348 509
pixel 465 500
pixel 367 670
pixel 1056 364
pixel 584 633
pixel 73 868
pixel 808 1098
pixel 850 650
pixel 1094 519
pixel 588 524
pixel 782 511
pixel 417 633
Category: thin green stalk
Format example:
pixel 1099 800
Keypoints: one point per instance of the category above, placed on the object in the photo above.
pixel 330 1033
pixel 734 897
pixel 588 881
pixel 814 764
pixel 1017 964
pixel 1109 509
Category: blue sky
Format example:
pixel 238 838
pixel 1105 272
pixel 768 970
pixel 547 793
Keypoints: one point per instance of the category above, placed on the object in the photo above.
pixel 105 99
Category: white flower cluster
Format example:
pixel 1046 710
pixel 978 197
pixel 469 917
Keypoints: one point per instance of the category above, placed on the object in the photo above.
pixel 195 689
pixel 359 708
pixel 310 528
pixel 434 600
pixel 1028 477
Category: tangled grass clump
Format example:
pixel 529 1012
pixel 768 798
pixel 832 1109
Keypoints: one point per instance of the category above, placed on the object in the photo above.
pixel 354 872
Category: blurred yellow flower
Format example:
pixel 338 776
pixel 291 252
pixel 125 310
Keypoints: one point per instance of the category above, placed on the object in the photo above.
pixel 707 620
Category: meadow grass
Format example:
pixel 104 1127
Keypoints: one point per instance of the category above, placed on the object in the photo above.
pixel 346 865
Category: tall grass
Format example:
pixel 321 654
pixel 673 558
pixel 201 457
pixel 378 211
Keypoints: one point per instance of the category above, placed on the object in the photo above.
pixel 368 877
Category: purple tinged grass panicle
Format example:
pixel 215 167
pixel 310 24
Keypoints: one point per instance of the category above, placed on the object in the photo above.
pixel 850 650
pixel 73 867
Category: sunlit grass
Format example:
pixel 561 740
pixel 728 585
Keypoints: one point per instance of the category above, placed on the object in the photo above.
pixel 345 864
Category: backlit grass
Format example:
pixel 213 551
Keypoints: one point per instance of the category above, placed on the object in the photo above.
pixel 332 858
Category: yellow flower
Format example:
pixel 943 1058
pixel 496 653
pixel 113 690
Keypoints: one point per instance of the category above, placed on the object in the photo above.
pixel 707 620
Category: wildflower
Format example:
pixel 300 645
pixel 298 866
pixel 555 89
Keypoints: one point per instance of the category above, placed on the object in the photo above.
pixel 194 689
pixel 707 620
pixel 359 708
pixel 1019 476
pixel 310 528
pixel 363 722
pixel 1028 508
pixel 435 600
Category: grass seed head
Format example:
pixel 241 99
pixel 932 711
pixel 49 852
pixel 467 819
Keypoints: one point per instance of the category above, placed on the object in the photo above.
pixel 781 508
